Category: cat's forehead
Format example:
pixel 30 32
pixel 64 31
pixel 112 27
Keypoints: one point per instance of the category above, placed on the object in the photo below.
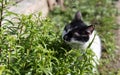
pixel 74 24
pixel 79 29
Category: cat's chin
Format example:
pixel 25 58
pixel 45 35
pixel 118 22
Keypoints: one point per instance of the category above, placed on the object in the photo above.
pixel 73 42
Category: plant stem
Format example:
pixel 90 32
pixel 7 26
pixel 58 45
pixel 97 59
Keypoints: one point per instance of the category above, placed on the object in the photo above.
pixel 1 18
pixel 1 13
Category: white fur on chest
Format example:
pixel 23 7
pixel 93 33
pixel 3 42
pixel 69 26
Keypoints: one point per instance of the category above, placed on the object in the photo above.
pixel 96 44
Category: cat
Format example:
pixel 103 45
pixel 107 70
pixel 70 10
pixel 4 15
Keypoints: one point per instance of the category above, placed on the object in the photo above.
pixel 79 35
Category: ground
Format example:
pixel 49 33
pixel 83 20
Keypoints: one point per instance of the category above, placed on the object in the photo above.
pixel 116 62
pixel 113 67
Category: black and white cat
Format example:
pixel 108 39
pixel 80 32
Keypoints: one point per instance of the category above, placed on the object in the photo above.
pixel 79 35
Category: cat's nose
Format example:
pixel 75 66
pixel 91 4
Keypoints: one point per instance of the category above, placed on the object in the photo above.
pixel 66 38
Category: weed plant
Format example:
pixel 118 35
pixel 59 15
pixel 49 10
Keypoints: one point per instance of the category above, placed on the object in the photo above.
pixel 31 46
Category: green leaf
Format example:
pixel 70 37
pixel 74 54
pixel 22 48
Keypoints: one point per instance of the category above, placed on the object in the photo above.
pixel 2 67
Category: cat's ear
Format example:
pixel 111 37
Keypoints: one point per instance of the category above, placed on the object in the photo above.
pixel 78 16
pixel 90 29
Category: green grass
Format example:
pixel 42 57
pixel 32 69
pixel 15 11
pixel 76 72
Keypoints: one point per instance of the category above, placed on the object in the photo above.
pixel 32 46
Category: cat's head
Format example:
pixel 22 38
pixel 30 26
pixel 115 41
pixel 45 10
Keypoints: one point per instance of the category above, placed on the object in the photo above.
pixel 77 31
